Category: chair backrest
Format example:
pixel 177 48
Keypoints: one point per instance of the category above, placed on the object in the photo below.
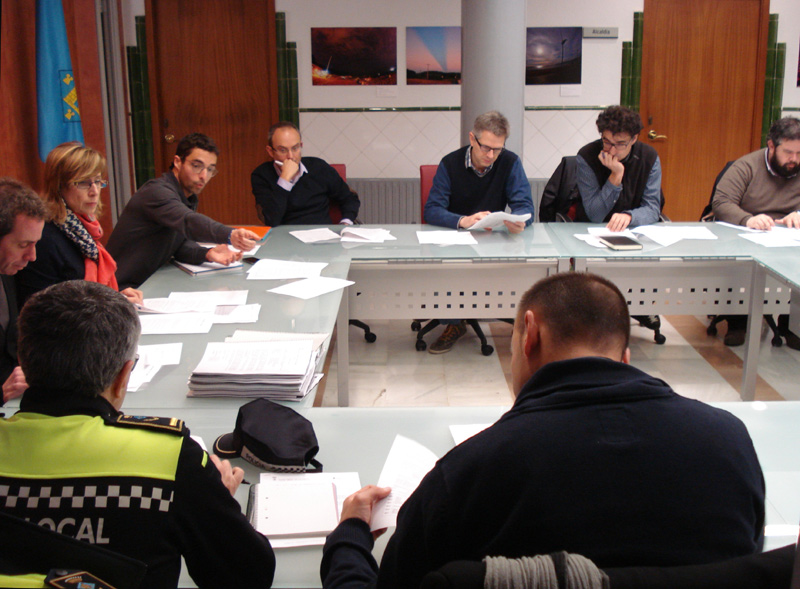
pixel 426 174
pixel 333 209
pixel 708 211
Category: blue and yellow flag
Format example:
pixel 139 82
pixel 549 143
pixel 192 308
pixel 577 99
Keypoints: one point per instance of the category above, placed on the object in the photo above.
pixel 59 115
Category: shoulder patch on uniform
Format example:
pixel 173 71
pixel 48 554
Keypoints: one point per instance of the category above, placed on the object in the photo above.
pixel 163 424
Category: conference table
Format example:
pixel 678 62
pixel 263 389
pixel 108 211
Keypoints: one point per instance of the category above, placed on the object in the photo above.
pixel 403 279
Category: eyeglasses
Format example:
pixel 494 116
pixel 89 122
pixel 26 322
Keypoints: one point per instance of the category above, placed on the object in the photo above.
pixel 86 185
pixel 283 151
pixel 135 362
pixel 198 167
pixel 619 145
pixel 487 150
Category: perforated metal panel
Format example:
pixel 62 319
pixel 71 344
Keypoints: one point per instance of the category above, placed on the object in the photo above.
pixel 675 287
pixel 441 290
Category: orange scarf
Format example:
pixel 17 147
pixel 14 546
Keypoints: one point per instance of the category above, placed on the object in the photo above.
pixel 103 270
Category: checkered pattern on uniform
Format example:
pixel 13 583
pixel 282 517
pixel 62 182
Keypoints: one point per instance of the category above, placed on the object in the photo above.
pixel 85 496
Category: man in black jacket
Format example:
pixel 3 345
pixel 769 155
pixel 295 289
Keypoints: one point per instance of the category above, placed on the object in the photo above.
pixel 295 190
pixel 595 458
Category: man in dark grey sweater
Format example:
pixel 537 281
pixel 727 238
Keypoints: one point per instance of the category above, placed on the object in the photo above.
pixel 161 219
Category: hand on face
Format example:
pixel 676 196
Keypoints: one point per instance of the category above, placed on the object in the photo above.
pixel 612 163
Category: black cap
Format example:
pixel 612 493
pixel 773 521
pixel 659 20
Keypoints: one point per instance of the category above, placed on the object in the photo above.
pixel 271 436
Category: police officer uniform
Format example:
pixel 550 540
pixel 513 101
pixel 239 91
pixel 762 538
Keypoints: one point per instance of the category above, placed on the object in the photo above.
pixel 139 486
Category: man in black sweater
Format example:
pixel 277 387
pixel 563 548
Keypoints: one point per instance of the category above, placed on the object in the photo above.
pixel 595 458
pixel 296 190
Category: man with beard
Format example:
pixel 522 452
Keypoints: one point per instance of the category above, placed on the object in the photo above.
pixel 761 190
pixel 161 219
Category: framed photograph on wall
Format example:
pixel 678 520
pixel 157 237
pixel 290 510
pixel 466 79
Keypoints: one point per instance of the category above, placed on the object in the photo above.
pixel 433 55
pixel 553 55
pixel 354 56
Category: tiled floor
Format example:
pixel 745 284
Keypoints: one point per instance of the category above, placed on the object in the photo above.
pixel 391 372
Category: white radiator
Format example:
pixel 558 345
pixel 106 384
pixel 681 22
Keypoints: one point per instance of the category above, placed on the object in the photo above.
pixel 396 200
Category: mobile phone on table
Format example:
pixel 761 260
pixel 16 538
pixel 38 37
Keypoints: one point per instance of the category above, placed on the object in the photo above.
pixel 620 242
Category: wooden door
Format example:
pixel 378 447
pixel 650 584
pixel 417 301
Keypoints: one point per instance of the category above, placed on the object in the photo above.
pixel 703 67
pixel 212 69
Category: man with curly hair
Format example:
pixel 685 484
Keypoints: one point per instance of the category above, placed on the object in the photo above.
pixel 619 178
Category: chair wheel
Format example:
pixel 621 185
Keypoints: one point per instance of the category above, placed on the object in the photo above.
pixel 659 339
pixel 777 342
pixel 711 330
pixel 370 337
pixel 421 345
pixel 487 350
pixel 416 325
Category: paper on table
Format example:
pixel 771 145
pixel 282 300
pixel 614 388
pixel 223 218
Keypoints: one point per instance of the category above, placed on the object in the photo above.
pixel 406 465
pixel 446 238
pixel 236 313
pixel 268 269
pixel 669 234
pixel 300 507
pixel 311 287
pixel 165 305
pixel 211 297
pixel 589 240
pixel 739 227
pixel 175 323
pixel 200 442
pixel 461 433
pixel 496 219
pixel 366 235
pixel 602 231
pixel 244 335
pixel 161 354
pixel 207 266
pixel 771 239
pixel 315 235
pixel 141 374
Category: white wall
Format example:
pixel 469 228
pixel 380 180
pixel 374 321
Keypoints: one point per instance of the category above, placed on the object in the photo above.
pixel 789 33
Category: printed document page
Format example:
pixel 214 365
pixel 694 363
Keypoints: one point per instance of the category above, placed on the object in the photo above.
pixel 406 465
pixel 496 220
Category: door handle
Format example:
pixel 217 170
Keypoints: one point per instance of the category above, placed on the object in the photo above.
pixel 655 136
pixel 169 137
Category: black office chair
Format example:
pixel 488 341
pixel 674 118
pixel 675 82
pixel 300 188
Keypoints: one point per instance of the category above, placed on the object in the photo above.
pixel 708 216
pixel 426 174
pixel 561 202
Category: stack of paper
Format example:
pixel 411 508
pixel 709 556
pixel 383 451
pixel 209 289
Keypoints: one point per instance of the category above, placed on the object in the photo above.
pixel 151 359
pixel 278 370
pixel 299 509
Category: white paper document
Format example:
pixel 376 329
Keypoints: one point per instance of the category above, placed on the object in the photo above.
pixel 268 269
pixel 772 238
pixel 161 354
pixel 167 305
pixel 496 220
pixel 236 313
pixel 406 465
pixel 211 297
pixel 315 235
pixel 366 235
pixel 446 238
pixel 311 287
pixel 175 323
pixel 666 235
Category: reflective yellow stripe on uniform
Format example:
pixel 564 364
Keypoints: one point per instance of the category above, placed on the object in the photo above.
pixel 80 446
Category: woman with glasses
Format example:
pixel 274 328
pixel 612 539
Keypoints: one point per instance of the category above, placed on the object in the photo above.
pixel 70 248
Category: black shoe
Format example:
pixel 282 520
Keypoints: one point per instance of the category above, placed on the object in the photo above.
pixel 783 329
